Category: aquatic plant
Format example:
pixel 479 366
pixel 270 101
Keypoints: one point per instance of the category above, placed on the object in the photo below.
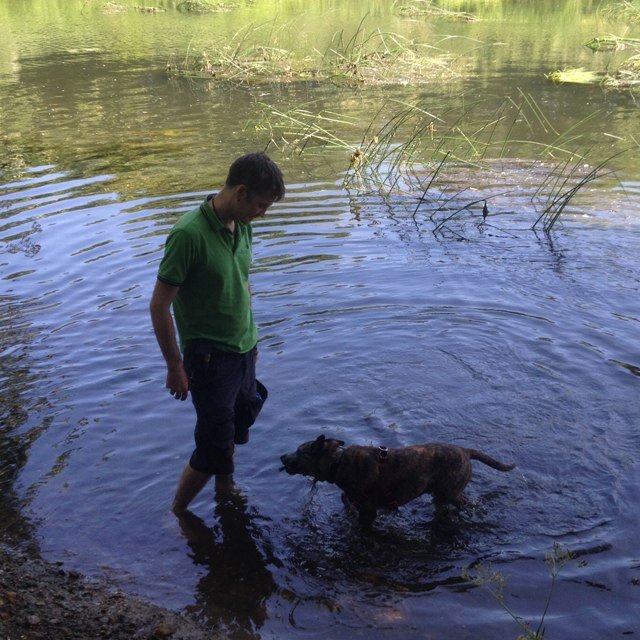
pixel 621 12
pixel 495 582
pixel 574 76
pixel 612 43
pixel 437 159
pixel 375 57
pixel 563 183
pixel 426 8
pixel 112 7
pixel 202 6
pixel 627 75
pixel 380 57
pixel 238 59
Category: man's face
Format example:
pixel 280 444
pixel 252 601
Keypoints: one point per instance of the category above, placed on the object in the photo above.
pixel 250 207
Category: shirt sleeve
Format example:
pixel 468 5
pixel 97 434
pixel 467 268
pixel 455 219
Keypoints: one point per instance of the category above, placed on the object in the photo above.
pixel 177 259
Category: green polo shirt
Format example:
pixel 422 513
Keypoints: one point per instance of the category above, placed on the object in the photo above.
pixel 210 264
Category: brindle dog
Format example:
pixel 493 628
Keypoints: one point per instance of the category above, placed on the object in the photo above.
pixel 375 478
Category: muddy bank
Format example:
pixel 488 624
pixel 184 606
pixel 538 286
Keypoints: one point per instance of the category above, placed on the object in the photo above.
pixel 40 600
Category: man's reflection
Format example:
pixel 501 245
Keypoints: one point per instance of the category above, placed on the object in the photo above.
pixel 238 583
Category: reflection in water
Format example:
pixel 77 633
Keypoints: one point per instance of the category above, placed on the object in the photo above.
pixel 16 381
pixel 238 583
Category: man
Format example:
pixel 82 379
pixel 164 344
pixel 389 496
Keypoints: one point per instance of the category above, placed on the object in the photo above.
pixel 204 275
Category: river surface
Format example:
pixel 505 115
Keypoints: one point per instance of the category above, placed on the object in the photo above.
pixel 385 318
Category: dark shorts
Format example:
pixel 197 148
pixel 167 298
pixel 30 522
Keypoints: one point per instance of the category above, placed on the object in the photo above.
pixel 227 399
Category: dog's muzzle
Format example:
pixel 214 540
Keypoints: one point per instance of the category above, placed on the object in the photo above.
pixel 288 464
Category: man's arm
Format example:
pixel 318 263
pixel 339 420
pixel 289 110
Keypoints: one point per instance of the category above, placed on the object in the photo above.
pixel 160 307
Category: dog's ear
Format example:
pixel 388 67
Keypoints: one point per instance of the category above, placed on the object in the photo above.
pixel 341 443
pixel 318 445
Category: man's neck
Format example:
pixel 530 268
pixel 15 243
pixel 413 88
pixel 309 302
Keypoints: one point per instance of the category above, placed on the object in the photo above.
pixel 220 211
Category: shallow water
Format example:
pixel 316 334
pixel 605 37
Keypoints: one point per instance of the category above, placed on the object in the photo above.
pixel 373 328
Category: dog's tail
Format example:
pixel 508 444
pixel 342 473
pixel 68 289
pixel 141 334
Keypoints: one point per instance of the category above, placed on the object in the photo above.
pixel 488 460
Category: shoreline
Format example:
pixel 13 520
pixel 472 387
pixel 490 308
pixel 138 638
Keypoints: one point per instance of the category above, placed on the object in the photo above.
pixel 40 600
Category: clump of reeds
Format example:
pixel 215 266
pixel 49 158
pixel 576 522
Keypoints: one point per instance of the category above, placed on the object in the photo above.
pixel 621 12
pixel 113 7
pixel 612 43
pixel 426 8
pixel 148 9
pixel 239 59
pixel 627 76
pixel 202 6
pixel 407 150
pixel 377 57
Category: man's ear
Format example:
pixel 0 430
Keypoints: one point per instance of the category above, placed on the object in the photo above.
pixel 240 192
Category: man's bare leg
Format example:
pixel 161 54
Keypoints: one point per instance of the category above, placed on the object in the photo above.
pixel 189 486
pixel 224 486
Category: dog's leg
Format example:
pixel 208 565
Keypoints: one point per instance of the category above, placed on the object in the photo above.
pixel 366 513
pixel 348 505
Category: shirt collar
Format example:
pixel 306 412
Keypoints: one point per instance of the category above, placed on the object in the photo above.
pixel 212 218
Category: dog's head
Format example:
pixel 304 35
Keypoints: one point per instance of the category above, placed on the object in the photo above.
pixel 314 458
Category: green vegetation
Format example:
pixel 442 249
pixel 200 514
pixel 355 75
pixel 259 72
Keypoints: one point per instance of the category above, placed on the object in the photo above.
pixel 628 12
pixel 427 9
pixel 201 6
pixel 437 158
pixel 370 58
pixel 495 582
pixel 574 76
pixel 238 59
pixel 612 43
pixel 627 75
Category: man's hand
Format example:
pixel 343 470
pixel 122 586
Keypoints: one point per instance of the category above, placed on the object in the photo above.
pixel 177 381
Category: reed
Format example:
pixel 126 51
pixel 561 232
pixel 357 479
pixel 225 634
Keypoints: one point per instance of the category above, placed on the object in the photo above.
pixel 380 57
pixel 372 58
pixel 621 12
pixel 484 576
pixel 239 59
pixel 427 9
pixel 406 149
pixel 627 75
pixel 612 43
pixel 574 175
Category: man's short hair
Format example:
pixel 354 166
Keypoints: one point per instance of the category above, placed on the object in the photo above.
pixel 258 173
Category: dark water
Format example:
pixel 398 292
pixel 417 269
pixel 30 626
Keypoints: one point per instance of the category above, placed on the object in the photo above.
pixel 373 328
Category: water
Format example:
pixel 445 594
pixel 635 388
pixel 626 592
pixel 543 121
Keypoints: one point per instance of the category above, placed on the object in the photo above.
pixel 373 329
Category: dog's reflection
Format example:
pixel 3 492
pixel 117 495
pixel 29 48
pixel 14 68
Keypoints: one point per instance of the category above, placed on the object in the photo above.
pixel 238 583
